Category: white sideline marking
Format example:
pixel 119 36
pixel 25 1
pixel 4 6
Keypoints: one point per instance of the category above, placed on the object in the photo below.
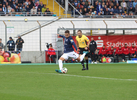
pixel 103 78
pixel 88 76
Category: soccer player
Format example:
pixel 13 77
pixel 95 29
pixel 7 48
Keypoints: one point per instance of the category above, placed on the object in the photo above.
pixel 110 52
pixel 119 52
pixel 69 51
pixel 133 51
pixel 125 52
pixel 103 51
pixel 92 49
pixel 82 45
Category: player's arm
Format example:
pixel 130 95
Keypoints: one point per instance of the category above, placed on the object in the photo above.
pixel 88 42
pixel 73 43
pixel 61 36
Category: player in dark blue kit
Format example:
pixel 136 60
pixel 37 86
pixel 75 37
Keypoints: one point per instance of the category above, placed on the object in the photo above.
pixel 69 51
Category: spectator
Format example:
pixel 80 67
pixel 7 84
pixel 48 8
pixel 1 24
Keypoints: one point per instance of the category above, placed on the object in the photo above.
pixel 1 44
pixel 34 10
pixel 86 2
pixel 115 10
pixel 120 11
pixel 4 2
pixel 30 5
pixel 17 9
pixel 79 6
pixel 23 9
pixel 17 14
pixel 124 5
pixel 109 2
pixel 9 9
pixel 133 51
pixel 11 44
pixel 4 9
pixel 110 9
pixel 136 10
pixel 125 51
pixel 26 3
pixel 107 12
pixel 134 3
pixel 85 11
pixel 130 6
pixel 117 5
pixel 92 49
pixel 110 52
pixel 119 52
pixel 37 4
pixel 103 4
pixel 13 5
pixel 1 12
pixel 52 53
pixel 102 12
pixel 84 5
pixel 99 7
pixel 19 43
pixel 48 12
pixel 107 5
pixel 13 12
pixel 114 2
pixel 27 8
pixel 41 6
pixel 0 5
pixel 103 51
pixel 10 2
pixel 95 6
pixel 44 9
pixel 99 15
pixel 75 3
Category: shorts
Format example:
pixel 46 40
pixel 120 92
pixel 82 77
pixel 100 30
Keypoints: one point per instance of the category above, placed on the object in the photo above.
pixel 81 51
pixel 72 54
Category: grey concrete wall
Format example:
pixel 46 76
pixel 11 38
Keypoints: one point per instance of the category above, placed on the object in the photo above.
pixel 33 56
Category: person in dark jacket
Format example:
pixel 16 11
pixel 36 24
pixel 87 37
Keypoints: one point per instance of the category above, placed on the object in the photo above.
pixel 19 43
pixel 1 44
pixel 11 44
pixel 93 48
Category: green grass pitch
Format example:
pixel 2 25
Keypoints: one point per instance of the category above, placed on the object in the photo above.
pixel 41 82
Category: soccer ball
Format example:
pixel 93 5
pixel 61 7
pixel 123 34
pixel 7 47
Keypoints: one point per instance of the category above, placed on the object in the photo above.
pixel 65 70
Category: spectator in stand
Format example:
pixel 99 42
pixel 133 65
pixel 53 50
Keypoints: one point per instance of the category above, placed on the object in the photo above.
pixel 10 2
pixel 114 2
pixel 130 6
pixel 0 5
pixel 124 5
pixel 125 52
pixel 13 11
pixel 85 11
pixel 44 9
pixel 79 6
pixel 136 10
pixel 117 5
pixel 75 3
pixel 37 4
pixel 95 6
pixel 84 5
pixel 17 9
pixel 99 7
pixel 27 9
pixel 11 44
pixel 119 52
pixel 133 51
pixel 86 2
pixel 110 9
pixel 19 43
pixel 115 10
pixel 107 12
pixel 33 11
pixel 41 6
pixel 4 9
pixel 52 53
pixel 30 5
pixel 1 44
pixel 1 12
pixel 110 52
pixel 13 5
pixel 48 12
pixel 107 5
pixel 26 3
pixel 23 9
pixel 9 9
pixel 109 2
pixel 103 51
pixel 120 11
pixel 103 4
pixel 134 3
pixel 17 14
pixel 4 2
pixel 102 12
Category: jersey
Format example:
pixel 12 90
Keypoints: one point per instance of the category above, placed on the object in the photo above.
pixel 68 44
pixel 82 41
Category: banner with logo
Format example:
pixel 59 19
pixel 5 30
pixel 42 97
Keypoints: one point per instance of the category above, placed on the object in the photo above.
pixel 114 40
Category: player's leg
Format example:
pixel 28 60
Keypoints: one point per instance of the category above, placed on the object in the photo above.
pixel 123 57
pixel 92 56
pixel 61 59
pixel 82 62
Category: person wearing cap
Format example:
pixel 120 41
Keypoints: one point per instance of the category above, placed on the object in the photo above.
pixel 125 52
pixel 19 43
pixel 1 44
pixel 133 51
pixel 11 44
pixel 118 52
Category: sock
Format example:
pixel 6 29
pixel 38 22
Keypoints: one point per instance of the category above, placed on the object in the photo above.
pixel 87 63
pixel 82 57
pixel 83 64
pixel 60 64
